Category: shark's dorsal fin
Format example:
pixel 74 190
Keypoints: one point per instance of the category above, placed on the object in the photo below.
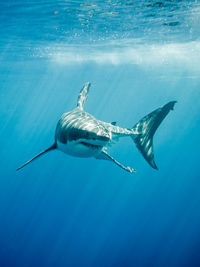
pixel 83 95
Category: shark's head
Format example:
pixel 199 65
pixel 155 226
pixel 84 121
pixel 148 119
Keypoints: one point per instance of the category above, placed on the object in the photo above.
pixel 96 136
pixel 79 134
pixel 98 139
pixel 82 143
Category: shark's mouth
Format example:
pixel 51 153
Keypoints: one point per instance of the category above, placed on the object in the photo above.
pixel 90 145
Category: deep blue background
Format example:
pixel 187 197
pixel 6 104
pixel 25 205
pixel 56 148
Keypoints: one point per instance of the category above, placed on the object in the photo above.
pixel 65 211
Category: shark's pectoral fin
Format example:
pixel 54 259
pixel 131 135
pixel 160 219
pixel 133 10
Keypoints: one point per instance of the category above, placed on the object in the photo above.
pixel 37 156
pixel 105 156
pixel 102 155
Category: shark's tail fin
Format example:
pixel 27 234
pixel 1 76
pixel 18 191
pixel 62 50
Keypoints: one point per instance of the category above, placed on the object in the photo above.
pixel 147 126
pixel 37 156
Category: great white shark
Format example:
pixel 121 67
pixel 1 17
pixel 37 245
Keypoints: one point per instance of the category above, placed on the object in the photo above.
pixel 80 134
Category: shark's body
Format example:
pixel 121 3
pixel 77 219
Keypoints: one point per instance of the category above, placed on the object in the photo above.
pixel 80 134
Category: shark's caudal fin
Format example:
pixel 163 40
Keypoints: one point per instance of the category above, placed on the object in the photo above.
pixel 148 126
pixel 37 156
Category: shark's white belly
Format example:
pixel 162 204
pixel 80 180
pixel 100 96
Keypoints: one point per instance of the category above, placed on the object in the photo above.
pixel 79 149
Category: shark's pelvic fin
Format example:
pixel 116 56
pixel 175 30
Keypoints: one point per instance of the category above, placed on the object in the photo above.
pixel 104 155
pixel 147 126
pixel 83 95
pixel 37 156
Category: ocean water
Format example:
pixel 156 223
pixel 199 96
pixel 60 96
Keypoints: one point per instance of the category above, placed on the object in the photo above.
pixel 67 211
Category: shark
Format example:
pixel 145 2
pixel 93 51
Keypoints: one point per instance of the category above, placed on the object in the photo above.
pixel 80 134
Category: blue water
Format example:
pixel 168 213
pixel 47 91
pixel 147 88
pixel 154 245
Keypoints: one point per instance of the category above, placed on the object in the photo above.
pixel 65 211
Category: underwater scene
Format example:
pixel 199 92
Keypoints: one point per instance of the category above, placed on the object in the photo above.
pixel 78 209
